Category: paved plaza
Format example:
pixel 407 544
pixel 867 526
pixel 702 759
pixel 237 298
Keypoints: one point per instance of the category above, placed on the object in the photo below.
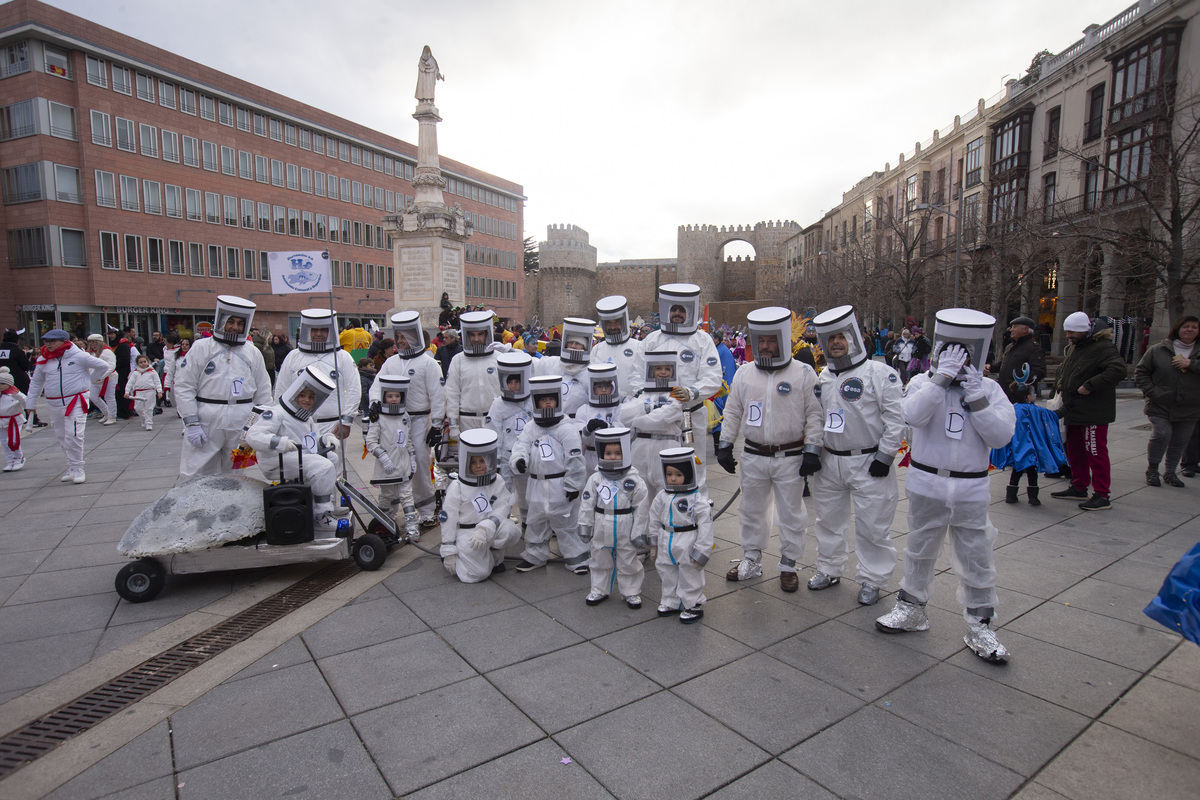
pixel 403 682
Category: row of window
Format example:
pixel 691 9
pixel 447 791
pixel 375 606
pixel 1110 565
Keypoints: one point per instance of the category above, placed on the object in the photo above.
pixel 490 288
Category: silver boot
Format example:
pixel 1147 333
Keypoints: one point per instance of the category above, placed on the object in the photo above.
pixel 983 642
pixel 904 617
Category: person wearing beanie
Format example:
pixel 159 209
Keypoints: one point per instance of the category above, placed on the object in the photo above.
pixel 1024 361
pixel 1087 381
pixel 12 409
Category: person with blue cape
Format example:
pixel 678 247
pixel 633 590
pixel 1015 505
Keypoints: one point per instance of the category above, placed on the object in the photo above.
pixel 1036 445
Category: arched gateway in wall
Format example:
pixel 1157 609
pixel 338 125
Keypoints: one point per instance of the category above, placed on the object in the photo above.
pixel 700 260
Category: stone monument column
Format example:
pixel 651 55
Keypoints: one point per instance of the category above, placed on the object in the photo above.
pixel 428 236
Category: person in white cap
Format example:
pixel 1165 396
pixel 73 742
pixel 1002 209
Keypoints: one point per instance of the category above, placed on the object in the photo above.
pixel 618 347
pixel 508 416
pixel 317 343
pixel 681 527
pixel 390 440
pixel 12 411
pixel 215 385
pixel 957 416
pixel 572 364
pixel 614 516
pixel 104 391
pixel 471 382
pixel 474 516
pixel 426 403
pixel 774 404
pixel 860 401
pixel 65 373
pixel 286 427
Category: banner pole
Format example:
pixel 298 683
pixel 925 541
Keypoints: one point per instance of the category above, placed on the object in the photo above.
pixel 337 373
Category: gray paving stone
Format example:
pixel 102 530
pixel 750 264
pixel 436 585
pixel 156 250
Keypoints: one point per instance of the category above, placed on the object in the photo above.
pixel 36 620
pixel 288 654
pixel 393 670
pixel 1035 791
pixel 1107 762
pixel 454 602
pixel 872 753
pixel 181 595
pixel 355 626
pixel 22 539
pixel 1108 599
pixel 770 703
pixel 146 758
pixel 1072 560
pixel 946 628
pixel 669 653
pixel 116 636
pixel 1165 713
pixel 378 592
pixel 756 618
pixel 680 752
pixel 569 686
pixel 773 779
pixel 138 498
pixel 535 772
pixel 1182 666
pixel 1135 646
pixel 24 563
pixel 592 622
pixel 244 714
pixel 73 582
pixel 1134 574
pixel 1042 581
pixel 325 762
pixel 88 555
pixel 1162 556
pixel 506 637
pixel 157 789
pixel 864 665
pixel 541 584
pixel 46 518
pixel 108 533
pixel 421 573
pixel 32 662
pixel 425 739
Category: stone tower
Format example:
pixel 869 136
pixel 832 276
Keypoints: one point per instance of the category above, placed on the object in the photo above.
pixel 759 278
pixel 565 285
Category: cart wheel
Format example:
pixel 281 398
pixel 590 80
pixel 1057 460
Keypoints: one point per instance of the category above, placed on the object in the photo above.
pixel 140 581
pixel 369 552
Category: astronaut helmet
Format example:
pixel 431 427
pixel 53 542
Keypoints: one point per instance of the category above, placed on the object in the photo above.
pixel 514 370
pixel 679 308
pixel 770 337
pixel 602 385
pixel 840 320
pixel 231 323
pixel 406 329
pixel 662 370
pixel 677 461
pixel 966 327
pixel 307 393
pixel 542 390
pixel 318 330
pixel 393 383
pixel 613 312
pixel 478 450
pixel 477 322
pixel 577 336
pixel 622 438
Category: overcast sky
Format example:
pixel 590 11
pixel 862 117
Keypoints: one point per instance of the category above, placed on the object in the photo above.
pixel 629 119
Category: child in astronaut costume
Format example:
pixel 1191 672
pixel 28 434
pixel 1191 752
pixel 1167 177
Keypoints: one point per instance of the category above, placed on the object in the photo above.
pixel 389 439
pixel 682 528
pixel 602 410
pixel 617 347
pixel 614 516
pixel 144 387
pixel 957 417
pixel 572 364
pixel 285 427
pixel 551 452
pixel 12 412
pixel 471 383
pixel 474 516
pixel 860 400
pixel 317 345
pixel 508 416
pixel 655 416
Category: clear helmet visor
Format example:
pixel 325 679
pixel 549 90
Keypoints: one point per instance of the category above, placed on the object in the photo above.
pixel 476 332
pixel 679 469
pixel 513 371
pixel 602 385
pixel 841 338
pixel 614 448
pixel 546 397
pixel 677 314
pixel 577 340
pixel 406 333
pixel 661 370
pixel 232 320
pixel 478 452
pixel 393 394
pixel 318 330
pixel 307 393
pixel 614 318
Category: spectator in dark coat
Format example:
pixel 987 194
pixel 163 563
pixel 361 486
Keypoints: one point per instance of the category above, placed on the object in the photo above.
pixel 281 346
pixel 13 356
pixel 1023 361
pixel 448 350
pixel 1169 377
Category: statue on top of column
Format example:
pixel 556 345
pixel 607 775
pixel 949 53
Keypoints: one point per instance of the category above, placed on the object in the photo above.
pixel 427 76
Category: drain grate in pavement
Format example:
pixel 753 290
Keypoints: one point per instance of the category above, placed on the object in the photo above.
pixel 43 735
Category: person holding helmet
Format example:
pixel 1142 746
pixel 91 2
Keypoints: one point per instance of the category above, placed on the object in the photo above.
pixel 681 527
pixel 860 401
pixel 317 343
pixel 572 363
pixel 614 516
pixel 215 385
pixel 618 347
pixel 655 416
pixel 389 438
pixel 474 516
pixel 774 403
pixel 508 416
pixel 471 383
pixel 957 416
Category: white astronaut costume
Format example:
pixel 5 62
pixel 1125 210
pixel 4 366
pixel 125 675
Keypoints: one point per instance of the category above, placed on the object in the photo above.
pixel 603 406
pixel 334 362
pixel 144 386
pixel 655 417
pixel 860 401
pixel 773 402
pixel 551 452
pixel 957 417
pixel 426 404
pixel 699 367
pixel 389 439
pixel 614 517
pixel 104 391
pixel 619 349
pixel 474 516
pixel 471 383
pixel 287 426
pixel 215 385
pixel 508 416
pixel 66 377
pixel 572 364
pixel 682 528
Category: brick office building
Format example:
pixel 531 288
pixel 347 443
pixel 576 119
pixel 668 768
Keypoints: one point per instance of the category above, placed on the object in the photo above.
pixel 138 185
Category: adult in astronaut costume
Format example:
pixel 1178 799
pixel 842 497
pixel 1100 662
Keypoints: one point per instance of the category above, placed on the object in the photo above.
pixel 426 403
pixel 471 383
pixel 215 385
pixel 699 367
pixel 860 401
pixel 602 410
pixel 65 374
pixel 957 417
pixel 474 516
pixel 618 347
pixel 572 364
pixel 774 403
pixel 389 438
pixel 285 427
pixel 317 344
pixel 508 416
pixel 655 416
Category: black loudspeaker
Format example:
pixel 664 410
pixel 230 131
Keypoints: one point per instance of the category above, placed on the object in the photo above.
pixel 287 509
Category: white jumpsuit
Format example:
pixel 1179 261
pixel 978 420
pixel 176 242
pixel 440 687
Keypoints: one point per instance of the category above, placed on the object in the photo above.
pixel 12 414
pixel 613 513
pixel 624 357
pixel 681 523
pixel 143 387
pixel 217 384
pixel 554 463
pixel 346 379
pixel 949 436
pixel 471 386
pixel 426 406
pixel 863 423
pixel 272 426
pixel 508 418
pixel 611 415
pixel 392 434
pixel 574 380
pixel 780 416
pixel 66 381
pixel 104 391
pixel 656 420
pixel 471 510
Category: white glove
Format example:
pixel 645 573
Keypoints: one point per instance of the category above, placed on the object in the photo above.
pixel 451 565
pixel 385 461
pixel 951 360
pixel 196 436
pixel 973 385
pixel 329 441
pixel 478 540
pixel 286 445
pixel 454 433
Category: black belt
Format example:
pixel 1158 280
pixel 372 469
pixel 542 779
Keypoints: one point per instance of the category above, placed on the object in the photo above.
pixel 694 408
pixel 947 473
pixel 769 449
pixel 423 413
pixel 610 512
pixel 862 452
pixel 551 476
pixel 683 528
pixel 590 448
pixel 662 436
pixel 470 414
pixel 327 419
pixel 224 402
pixel 467 525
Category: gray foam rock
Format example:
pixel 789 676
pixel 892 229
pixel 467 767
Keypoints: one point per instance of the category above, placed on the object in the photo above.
pixel 202 513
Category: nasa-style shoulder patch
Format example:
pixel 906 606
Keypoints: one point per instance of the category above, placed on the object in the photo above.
pixel 587 495
pixel 491 370
pixel 682 504
pixel 628 354
pixel 686 355
pixel 893 377
pixel 210 368
pixel 412 372
pixel 784 387
pixel 443 516
pixel 267 414
pixel 712 361
pixel 575 451
pixel 817 390
pixel 630 484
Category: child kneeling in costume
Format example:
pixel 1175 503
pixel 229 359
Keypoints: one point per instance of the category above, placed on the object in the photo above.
pixel 395 454
pixel 474 516
pixel 615 517
pixel 681 522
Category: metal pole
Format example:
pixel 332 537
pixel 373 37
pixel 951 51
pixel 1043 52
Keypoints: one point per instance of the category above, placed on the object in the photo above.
pixel 957 231
pixel 337 373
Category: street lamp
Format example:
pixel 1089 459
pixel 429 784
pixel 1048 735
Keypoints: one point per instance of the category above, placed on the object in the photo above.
pixel 957 235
